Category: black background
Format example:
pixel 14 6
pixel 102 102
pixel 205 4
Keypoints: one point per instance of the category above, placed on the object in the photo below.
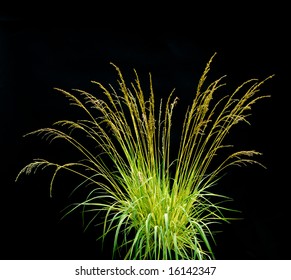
pixel 38 53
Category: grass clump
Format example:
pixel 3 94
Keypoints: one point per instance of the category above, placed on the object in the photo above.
pixel 159 201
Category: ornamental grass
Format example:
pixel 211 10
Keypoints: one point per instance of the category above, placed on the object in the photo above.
pixel 158 201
